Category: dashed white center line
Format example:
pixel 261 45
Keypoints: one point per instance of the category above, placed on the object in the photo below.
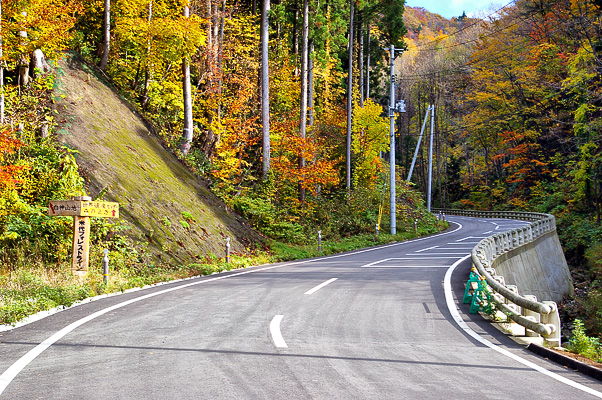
pixel 320 286
pixel 275 331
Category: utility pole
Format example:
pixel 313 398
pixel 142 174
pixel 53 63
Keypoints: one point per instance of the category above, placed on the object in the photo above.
pixel 430 183
pixel 393 108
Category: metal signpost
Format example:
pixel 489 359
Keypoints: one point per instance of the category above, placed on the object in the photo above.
pixel 81 209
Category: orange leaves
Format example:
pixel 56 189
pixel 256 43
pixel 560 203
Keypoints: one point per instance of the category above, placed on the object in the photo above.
pixel 8 145
pixel 316 172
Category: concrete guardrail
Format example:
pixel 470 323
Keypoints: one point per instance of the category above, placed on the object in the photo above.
pixel 538 317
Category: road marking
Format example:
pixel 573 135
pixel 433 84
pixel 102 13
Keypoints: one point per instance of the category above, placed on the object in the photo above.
pixel 406 266
pixel 275 331
pixel 453 309
pixel 439 254
pixel 426 258
pixel 486 233
pixel 320 286
pixel 10 374
pixel 428 248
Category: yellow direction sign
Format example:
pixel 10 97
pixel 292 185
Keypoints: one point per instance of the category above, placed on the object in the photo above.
pixel 105 209
pixel 79 208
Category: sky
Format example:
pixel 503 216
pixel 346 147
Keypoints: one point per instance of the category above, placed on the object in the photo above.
pixel 455 8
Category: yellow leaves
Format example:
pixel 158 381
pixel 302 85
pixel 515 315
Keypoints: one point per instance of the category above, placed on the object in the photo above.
pixel 371 136
pixel 48 24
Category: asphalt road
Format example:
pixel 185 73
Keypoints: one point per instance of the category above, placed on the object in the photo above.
pixel 371 324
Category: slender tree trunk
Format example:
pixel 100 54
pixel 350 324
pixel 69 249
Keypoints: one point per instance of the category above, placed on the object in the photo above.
pixel 349 100
pixel 265 87
pixel 220 57
pixel 107 36
pixel 1 71
pixel 310 79
pixel 296 35
pixel 360 36
pixel 147 72
pixel 187 130
pixel 367 93
pixel 303 105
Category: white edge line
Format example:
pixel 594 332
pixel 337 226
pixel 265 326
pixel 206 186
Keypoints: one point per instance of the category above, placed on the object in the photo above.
pixel 320 286
pixel 7 376
pixel 275 331
pixel 407 266
pixel 451 305
pixel 375 262
pixel 428 248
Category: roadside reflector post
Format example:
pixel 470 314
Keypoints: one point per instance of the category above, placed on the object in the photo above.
pixel 227 250
pixel 105 267
pixel 81 208
pixel 376 230
pixel 319 241
pixel 416 226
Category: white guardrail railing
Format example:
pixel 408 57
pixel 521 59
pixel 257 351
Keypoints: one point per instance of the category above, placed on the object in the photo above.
pixel 538 317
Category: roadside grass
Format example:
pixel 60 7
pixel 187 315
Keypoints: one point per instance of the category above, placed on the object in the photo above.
pixel 25 291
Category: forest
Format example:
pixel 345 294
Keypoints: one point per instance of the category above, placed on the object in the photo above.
pixel 282 108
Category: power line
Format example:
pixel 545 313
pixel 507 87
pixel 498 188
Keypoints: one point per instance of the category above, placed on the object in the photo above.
pixel 473 63
pixel 469 26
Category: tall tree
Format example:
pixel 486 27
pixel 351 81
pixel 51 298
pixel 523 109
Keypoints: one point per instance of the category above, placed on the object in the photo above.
pixel 106 44
pixel 349 100
pixel 186 89
pixel 265 87
pixel 303 105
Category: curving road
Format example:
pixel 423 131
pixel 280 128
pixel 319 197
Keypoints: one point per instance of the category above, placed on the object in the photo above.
pixel 380 323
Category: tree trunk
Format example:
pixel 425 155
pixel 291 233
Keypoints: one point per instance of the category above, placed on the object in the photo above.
pixel 1 71
pixel 367 92
pixel 265 87
pixel 220 55
pixel 187 130
pixel 310 78
pixel 349 100
pixel 303 105
pixel 360 36
pixel 147 72
pixel 107 36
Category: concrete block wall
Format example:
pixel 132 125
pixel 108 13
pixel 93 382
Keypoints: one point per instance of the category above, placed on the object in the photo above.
pixel 538 268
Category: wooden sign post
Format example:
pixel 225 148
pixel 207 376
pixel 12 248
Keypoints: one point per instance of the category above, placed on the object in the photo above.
pixel 81 209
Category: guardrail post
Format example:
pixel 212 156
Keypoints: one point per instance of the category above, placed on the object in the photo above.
pixel 532 315
pixel 553 319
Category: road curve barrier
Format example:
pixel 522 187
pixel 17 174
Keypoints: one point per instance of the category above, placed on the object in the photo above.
pixel 524 260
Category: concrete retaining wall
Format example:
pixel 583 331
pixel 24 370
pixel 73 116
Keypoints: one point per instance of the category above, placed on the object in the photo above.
pixel 538 268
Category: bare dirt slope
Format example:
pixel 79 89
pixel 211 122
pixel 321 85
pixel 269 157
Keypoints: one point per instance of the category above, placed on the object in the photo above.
pixel 168 209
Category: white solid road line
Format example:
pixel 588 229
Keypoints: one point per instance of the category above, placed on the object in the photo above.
pixel 428 248
pixel 405 266
pixel 320 286
pixel 7 376
pixel 451 305
pixel 275 331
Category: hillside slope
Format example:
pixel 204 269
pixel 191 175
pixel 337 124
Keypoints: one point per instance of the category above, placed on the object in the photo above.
pixel 169 210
